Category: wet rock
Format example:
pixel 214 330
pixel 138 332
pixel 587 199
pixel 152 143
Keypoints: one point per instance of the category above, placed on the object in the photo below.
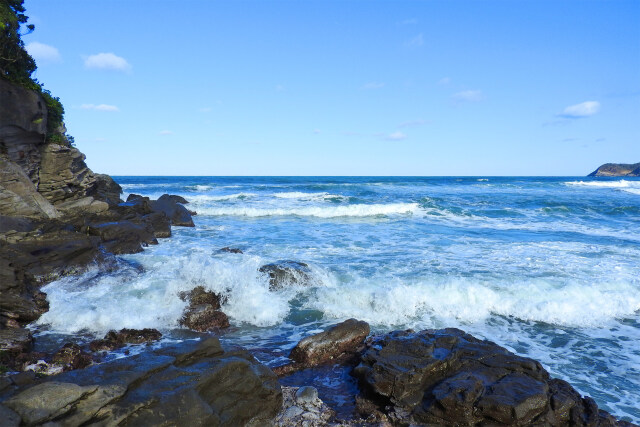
pixel 8 417
pixel 199 295
pixel 134 197
pixel 204 317
pixel 176 212
pixel 15 341
pixel 71 356
pixel 123 237
pixel 186 384
pixel 338 343
pixel 286 273
pixel 173 198
pixel 159 223
pixel 448 377
pixel 302 407
pixel 113 340
pixel 41 367
pixel 231 250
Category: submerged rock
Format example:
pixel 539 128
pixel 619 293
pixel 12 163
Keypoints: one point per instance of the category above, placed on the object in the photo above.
pixel 113 340
pixel 286 273
pixel 448 377
pixel 187 384
pixel 231 250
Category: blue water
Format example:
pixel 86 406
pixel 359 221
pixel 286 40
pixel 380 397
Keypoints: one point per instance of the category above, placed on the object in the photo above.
pixel 547 267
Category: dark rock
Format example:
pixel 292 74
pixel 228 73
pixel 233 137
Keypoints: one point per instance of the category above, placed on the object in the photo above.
pixel 8 417
pixel 123 237
pixel 338 343
pixel 106 189
pixel 113 340
pixel 617 169
pixel 204 317
pixel 177 213
pixel 173 198
pixel 286 273
pixel 14 341
pixel 199 295
pixel 134 197
pixel 187 384
pixel 159 223
pixel 71 357
pixel 448 377
pixel 231 250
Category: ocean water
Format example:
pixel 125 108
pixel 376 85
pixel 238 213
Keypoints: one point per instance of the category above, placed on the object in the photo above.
pixel 547 267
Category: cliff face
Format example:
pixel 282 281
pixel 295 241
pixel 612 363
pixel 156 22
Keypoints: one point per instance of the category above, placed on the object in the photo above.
pixel 38 178
pixel 617 169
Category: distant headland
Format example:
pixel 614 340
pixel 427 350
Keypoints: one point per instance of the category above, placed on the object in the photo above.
pixel 617 169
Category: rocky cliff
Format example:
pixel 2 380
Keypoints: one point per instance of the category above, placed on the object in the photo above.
pixel 43 176
pixel 617 169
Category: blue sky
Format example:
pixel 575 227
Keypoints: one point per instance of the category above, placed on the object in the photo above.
pixel 344 87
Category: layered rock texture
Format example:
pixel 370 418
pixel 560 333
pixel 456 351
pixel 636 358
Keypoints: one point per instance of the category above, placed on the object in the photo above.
pixel 194 384
pixel 447 377
pixel 617 169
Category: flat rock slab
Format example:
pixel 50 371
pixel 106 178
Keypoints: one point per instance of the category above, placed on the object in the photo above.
pixel 193 383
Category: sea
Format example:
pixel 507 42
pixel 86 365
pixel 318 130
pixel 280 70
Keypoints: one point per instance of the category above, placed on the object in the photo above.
pixel 548 267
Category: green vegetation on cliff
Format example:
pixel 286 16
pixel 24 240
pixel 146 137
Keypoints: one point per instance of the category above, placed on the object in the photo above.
pixel 17 66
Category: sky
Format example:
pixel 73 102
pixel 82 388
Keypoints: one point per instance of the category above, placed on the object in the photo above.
pixel 375 88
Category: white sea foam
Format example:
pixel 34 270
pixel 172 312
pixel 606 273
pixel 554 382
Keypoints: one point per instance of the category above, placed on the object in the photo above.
pixel 217 198
pixel 307 196
pixel 200 187
pixel 359 210
pixel 622 184
pixel 389 302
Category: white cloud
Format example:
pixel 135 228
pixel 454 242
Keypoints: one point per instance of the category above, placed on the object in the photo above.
pixel 43 52
pixel 417 41
pixel 467 96
pixel 99 107
pixel 165 132
pixel 395 136
pixel 107 61
pixel 373 85
pixel 408 123
pixel 444 81
pixel 584 109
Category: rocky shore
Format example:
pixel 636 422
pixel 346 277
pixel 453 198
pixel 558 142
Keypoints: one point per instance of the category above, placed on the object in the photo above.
pixel 57 218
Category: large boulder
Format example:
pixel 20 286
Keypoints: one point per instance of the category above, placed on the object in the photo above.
pixel 448 377
pixel 286 273
pixel 18 195
pixel 340 342
pixel 177 213
pixel 195 384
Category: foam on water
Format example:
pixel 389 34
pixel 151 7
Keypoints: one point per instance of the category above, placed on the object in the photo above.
pixel 320 212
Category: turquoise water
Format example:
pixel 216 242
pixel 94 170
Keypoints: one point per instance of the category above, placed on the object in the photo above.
pixel 547 267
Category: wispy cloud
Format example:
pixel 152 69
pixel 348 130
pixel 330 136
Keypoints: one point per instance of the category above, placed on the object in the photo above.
pixel 316 131
pixel 467 96
pixel 373 85
pixel 165 132
pixel 578 111
pixel 107 61
pixel 410 123
pixel 416 41
pixel 280 88
pixel 205 109
pixel 395 136
pixel 444 81
pixel 100 107
pixel 43 52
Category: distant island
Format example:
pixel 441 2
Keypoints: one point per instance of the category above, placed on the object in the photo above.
pixel 617 169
